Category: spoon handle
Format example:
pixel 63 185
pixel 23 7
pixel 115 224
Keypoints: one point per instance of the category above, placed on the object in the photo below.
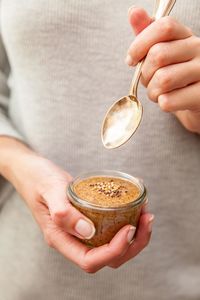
pixel 156 4
pixel 162 8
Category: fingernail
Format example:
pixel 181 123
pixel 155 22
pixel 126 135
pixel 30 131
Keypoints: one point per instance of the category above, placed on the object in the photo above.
pixel 131 8
pixel 85 229
pixel 151 223
pixel 130 234
pixel 129 60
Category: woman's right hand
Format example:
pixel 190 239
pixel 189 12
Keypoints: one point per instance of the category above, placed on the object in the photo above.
pixel 42 185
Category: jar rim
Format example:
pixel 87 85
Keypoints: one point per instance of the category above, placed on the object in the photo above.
pixel 107 173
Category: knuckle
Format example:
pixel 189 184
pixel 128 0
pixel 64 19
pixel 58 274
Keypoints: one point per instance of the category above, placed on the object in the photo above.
pixel 88 268
pixel 157 55
pixel 152 95
pixel 166 106
pixel 114 266
pixel 58 215
pixel 167 25
pixel 164 79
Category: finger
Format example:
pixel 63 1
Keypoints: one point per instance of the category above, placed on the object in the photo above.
pixel 139 19
pixel 173 77
pixel 141 240
pixel 90 260
pixel 187 98
pixel 189 119
pixel 68 245
pixel 162 30
pixel 167 53
pixel 97 258
pixel 67 216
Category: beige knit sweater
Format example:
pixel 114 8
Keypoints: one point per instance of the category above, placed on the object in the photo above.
pixel 62 65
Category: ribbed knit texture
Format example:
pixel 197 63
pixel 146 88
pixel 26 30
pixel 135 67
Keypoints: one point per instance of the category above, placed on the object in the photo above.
pixel 62 65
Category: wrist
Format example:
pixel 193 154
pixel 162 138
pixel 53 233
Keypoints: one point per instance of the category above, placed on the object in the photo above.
pixel 12 152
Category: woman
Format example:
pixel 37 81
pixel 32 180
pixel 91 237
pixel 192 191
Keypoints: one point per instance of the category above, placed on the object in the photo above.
pixel 66 68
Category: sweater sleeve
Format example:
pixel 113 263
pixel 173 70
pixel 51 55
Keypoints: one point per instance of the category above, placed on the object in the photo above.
pixel 6 126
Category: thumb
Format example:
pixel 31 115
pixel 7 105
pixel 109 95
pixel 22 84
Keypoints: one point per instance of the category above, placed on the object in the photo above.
pixel 139 19
pixel 65 215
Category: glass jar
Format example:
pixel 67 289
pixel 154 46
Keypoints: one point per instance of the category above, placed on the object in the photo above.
pixel 108 220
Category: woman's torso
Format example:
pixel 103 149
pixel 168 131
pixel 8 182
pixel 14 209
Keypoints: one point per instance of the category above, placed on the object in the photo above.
pixel 67 63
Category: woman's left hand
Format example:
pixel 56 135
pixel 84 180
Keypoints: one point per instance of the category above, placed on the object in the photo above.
pixel 171 71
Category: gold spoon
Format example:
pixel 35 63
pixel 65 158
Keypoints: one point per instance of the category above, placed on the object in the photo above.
pixel 125 115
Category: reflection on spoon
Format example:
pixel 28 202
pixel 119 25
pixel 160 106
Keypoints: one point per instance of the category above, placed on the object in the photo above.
pixel 119 123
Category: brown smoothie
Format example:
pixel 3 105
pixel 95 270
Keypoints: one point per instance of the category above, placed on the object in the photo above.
pixel 109 202
pixel 107 191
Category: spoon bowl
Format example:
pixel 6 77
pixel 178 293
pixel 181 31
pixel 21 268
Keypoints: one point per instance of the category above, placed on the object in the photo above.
pixel 121 121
